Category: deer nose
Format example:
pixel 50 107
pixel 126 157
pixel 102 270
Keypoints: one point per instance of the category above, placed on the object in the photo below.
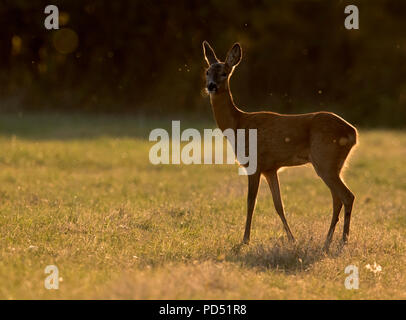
pixel 212 87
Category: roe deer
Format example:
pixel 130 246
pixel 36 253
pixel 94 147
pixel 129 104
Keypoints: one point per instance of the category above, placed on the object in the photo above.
pixel 321 138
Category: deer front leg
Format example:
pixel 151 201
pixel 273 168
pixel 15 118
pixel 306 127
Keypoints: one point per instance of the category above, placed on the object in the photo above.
pixel 253 185
pixel 273 181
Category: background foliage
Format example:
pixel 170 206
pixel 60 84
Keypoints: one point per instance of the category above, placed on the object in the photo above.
pixel 145 56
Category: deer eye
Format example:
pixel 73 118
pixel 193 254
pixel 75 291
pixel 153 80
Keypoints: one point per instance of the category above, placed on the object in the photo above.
pixel 224 74
pixel 207 72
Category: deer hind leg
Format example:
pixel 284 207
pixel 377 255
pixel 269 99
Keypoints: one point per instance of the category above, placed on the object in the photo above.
pixel 328 161
pixel 253 185
pixel 347 198
pixel 337 205
pixel 273 181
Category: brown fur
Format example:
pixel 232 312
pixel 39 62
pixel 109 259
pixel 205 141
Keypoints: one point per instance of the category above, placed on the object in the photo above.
pixel 321 138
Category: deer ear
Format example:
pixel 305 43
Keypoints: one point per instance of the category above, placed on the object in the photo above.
pixel 234 55
pixel 209 54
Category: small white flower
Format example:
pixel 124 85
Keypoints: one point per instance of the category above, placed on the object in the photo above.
pixel 376 268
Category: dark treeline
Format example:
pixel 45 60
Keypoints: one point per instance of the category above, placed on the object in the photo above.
pixel 146 56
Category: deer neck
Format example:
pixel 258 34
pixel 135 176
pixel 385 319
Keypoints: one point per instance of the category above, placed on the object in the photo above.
pixel 225 111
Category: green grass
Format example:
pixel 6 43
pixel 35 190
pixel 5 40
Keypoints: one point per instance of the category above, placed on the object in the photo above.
pixel 79 192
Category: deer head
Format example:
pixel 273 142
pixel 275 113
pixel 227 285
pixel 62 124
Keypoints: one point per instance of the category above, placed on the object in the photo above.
pixel 218 73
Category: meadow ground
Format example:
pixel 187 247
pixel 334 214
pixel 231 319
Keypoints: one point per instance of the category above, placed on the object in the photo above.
pixel 79 192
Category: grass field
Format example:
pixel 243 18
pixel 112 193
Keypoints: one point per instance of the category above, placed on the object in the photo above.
pixel 79 192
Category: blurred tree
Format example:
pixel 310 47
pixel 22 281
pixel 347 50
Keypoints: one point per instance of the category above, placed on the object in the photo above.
pixel 142 56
